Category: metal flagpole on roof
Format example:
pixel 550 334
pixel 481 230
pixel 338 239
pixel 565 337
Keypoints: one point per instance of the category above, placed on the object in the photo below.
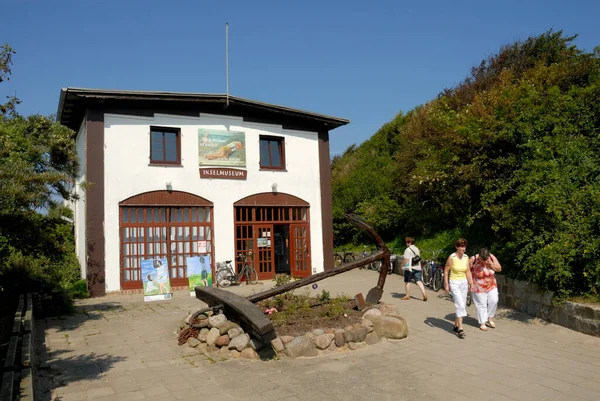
pixel 227 60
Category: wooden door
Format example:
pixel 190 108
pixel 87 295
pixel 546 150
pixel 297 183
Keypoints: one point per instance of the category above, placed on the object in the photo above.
pixel 264 260
pixel 300 265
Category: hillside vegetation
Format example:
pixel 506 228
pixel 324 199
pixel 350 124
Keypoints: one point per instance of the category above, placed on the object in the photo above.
pixel 509 159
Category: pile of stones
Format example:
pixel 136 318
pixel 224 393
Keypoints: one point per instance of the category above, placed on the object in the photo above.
pixel 382 321
pixel 226 339
pixel 218 336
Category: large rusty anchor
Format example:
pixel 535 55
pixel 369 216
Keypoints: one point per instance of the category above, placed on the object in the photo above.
pixel 242 310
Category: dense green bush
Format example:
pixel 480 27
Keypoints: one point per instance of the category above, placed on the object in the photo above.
pixel 509 159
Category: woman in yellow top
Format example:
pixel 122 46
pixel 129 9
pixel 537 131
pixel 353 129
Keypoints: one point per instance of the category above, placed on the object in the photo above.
pixel 458 281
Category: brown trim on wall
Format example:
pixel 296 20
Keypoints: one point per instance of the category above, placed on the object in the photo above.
pixel 326 202
pixel 271 199
pixel 166 198
pixel 94 213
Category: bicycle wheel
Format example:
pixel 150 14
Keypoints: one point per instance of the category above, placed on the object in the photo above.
pixel 251 275
pixel 469 298
pixel 223 277
pixel 348 258
pixel 438 280
pixel 376 265
pixel 337 260
pixel 426 271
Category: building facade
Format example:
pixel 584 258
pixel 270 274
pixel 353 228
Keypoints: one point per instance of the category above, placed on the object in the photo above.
pixel 172 175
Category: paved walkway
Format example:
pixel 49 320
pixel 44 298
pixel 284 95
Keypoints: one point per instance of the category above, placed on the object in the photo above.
pixel 120 348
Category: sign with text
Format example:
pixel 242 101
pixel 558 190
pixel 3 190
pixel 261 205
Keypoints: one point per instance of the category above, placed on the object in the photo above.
pixel 225 173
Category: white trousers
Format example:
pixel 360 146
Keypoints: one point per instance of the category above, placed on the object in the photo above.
pixel 485 305
pixel 458 290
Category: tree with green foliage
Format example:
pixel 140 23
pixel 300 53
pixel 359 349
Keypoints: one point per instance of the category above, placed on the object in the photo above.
pixel 510 157
pixel 38 164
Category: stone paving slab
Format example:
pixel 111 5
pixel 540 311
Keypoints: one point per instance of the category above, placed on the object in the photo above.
pixel 120 348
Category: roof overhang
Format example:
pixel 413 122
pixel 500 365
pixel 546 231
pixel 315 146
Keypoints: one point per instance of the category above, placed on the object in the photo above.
pixel 74 103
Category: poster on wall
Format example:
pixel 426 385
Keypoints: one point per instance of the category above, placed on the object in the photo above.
pixel 221 148
pixel 199 272
pixel 155 278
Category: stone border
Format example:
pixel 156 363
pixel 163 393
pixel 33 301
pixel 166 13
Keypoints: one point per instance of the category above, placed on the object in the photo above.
pixel 526 297
pixel 216 336
pixel 18 373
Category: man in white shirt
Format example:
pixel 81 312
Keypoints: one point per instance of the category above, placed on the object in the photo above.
pixel 412 270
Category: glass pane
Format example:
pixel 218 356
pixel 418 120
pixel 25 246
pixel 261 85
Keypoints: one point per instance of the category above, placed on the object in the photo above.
pixel 194 233
pixel 264 153
pixel 171 146
pixel 127 275
pixel 201 233
pixel 187 248
pixel 208 237
pixel 136 275
pixel 194 212
pixel 161 211
pixel 208 212
pixel 125 235
pixel 126 263
pixel 181 272
pixel 275 147
pixel 156 146
pixel 186 214
pixel 132 215
pixel 201 215
pixel 140 215
pixel 186 231
pixel 125 213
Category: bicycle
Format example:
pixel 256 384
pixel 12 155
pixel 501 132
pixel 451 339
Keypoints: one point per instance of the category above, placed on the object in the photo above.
pixel 342 257
pixel 225 275
pixel 370 266
pixel 377 264
pixel 429 269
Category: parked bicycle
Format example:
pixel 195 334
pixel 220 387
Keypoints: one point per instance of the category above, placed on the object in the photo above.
pixel 377 264
pixel 364 254
pixel 225 275
pixel 429 270
pixel 342 257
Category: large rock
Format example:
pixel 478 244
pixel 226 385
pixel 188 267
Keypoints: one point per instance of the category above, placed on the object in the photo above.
pixel 322 341
pixel 239 342
pixel 202 335
pixel 234 332
pixel 394 327
pixel 193 342
pixel 222 341
pixel 286 339
pixel 318 332
pixel 277 345
pixel 339 338
pixel 373 311
pixel 228 325
pixel 217 320
pixel 368 324
pixel 211 337
pixel 249 353
pixel 372 338
pixel 356 335
pixel 355 346
pixel 301 346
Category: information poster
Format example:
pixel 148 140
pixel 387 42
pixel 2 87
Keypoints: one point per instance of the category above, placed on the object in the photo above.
pixel 199 272
pixel 221 148
pixel 155 278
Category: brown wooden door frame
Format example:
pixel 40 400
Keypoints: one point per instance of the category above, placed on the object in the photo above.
pixel 300 261
pixel 264 262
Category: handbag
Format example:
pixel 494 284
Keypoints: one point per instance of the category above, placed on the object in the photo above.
pixel 415 259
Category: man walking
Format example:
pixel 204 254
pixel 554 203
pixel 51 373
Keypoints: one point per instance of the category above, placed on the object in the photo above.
pixel 412 269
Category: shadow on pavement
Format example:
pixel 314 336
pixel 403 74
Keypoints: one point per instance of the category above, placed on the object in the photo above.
pixel 54 369
pixel 440 324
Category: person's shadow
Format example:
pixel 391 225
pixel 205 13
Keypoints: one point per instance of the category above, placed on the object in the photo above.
pixel 440 323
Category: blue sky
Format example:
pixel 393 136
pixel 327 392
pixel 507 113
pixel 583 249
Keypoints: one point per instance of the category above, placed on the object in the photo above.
pixel 364 61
